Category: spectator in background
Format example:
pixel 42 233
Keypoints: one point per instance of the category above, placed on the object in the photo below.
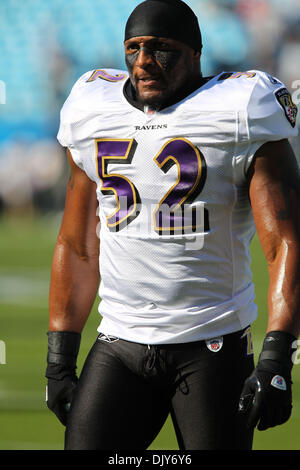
pixel 288 63
pixel 227 42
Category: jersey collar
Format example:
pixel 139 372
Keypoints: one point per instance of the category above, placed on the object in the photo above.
pixel 130 95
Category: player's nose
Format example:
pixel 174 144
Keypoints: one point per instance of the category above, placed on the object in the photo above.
pixel 144 58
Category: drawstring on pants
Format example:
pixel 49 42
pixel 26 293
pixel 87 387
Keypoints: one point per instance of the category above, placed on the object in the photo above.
pixel 152 357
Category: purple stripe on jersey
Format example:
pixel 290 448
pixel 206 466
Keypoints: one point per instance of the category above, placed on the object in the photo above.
pixel 99 73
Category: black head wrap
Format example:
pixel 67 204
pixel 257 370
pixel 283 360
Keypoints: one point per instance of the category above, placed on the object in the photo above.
pixel 172 19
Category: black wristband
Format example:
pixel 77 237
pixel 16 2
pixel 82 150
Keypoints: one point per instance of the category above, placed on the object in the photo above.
pixel 278 346
pixel 63 348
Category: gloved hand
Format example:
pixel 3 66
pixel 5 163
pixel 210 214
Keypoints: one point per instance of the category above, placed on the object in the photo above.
pixel 63 347
pixel 267 393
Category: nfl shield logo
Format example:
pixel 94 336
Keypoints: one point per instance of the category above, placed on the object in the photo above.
pixel 215 344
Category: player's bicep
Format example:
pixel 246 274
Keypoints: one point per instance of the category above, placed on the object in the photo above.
pixel 274 188
pixel 80 219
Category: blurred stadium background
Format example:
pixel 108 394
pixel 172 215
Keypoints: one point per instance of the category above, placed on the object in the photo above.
pixel 44 47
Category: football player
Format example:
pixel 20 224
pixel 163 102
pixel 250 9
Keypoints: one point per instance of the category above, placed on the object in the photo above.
pixel 183 169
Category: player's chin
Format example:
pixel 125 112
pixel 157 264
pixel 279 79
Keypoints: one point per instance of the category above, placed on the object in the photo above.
pixel 152 96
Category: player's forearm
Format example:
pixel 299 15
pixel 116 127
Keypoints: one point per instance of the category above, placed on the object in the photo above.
pixel 284 289
pixel 73 287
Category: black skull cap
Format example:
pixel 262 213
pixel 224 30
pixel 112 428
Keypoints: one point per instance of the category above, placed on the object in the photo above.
pixel 172 19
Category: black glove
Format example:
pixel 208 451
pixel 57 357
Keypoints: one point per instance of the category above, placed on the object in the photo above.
pixel 267 393
pixel 63 347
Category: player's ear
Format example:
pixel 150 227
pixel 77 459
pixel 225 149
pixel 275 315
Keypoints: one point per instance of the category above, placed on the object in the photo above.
pixel 197 54
pixel 196 58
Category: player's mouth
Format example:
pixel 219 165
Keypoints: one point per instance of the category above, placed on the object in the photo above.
pixel 149 81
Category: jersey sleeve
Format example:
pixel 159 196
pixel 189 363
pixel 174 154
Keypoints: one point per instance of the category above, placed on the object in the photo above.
pixel 69 118
pixel 271 111
pixel 270 116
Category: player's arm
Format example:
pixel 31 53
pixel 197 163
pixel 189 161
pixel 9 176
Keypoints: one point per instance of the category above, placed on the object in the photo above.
pixel 275 200
pixel 75 265
pixel 73 287
pixel 274 188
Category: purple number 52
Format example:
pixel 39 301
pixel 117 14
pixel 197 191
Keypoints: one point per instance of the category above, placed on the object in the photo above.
pixel 170 214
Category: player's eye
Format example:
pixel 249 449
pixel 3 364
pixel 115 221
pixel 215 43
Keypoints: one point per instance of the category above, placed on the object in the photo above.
pixel 162 46
pixel 132 47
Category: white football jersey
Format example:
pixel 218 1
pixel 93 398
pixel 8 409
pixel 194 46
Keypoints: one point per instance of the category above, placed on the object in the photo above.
pixel 176 222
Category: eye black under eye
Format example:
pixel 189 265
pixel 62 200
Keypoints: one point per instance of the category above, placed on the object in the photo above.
pixel 167 58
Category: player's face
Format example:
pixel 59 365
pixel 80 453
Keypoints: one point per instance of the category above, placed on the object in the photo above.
pixel 160 67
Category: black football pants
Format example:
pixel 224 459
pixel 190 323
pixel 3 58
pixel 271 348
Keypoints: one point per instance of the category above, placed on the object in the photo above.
pixel 126 391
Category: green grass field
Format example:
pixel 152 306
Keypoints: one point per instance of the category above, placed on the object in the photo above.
pixel 26 424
